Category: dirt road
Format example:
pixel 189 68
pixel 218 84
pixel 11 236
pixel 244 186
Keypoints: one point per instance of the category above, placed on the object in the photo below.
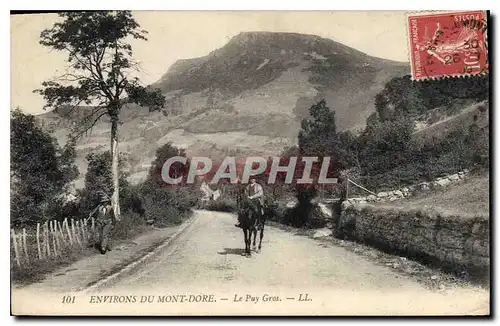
pixel 207 259
pixel 209 256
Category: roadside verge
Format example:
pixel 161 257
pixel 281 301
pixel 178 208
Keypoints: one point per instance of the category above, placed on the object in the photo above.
pixel 93 271
pixel 129 266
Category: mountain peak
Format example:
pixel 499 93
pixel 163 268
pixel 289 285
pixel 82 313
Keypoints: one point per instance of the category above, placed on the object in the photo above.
pixel 256 36
pixel 250 34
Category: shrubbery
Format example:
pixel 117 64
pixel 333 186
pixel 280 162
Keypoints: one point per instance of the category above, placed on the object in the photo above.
pixel 301 214
pixel 221 205
pixel 40 171
pixel 454 152
pixel 168 204
pixel 152 200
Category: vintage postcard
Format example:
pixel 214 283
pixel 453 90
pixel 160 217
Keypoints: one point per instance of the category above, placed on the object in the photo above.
pixel 250 163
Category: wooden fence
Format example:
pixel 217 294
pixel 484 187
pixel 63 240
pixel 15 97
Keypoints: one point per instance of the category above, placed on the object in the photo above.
pixel 51 239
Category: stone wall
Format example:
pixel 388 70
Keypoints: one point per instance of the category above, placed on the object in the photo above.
pixel 454 243
pixel 390 196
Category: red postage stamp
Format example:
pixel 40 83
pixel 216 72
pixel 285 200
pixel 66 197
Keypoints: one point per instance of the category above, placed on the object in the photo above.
pixel 448 44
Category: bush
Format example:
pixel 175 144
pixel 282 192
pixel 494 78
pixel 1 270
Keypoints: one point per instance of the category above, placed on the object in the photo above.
pixel 301 214
pixel 128 227
pixel 274 211
pixel 222 205
pixel 164 214
pixel 167 205
pixel 40 171
pixel 99 179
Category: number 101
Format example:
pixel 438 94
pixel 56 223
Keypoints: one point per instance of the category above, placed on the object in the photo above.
pixel 68 299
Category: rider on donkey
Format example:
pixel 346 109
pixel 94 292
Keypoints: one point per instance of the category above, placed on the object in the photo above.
pixel 255 194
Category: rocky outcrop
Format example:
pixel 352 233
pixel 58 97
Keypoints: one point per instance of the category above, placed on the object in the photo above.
pixel 324 210
pixel 458 243
pixel 321 233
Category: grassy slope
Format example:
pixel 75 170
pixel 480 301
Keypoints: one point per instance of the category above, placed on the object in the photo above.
pixel 461 120
pixel 468 198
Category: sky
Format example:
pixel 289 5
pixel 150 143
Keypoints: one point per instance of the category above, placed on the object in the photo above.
pixel 174 35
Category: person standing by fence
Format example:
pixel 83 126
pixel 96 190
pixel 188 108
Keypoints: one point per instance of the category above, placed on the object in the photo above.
pixel 106 221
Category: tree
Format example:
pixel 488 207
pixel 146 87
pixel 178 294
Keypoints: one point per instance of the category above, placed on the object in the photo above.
pixel 165 201
pixel 176 170
pixel 40 170
pixel 99 62
pixel 349 149
pixel 318 132
pixel 318 137
pixel 99 178
pixel 385 146
pixel 401 97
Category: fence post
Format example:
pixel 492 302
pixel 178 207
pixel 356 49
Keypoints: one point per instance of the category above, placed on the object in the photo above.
pixel 46 239
pixel 73 232
pixel 56 235
pixel 84 229
pixel 38 241
pixel 347 187
pixel 77 232
pixel 42 240
pixel 82 232
pixel 16 250
pixel 25 246
pixel 82 236
pixel 69 232
pixel 51 228
pixel 60 228
pixel 47 230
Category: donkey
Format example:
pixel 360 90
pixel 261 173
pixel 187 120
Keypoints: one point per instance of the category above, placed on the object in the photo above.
pixel 260 227
pixel 250 216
